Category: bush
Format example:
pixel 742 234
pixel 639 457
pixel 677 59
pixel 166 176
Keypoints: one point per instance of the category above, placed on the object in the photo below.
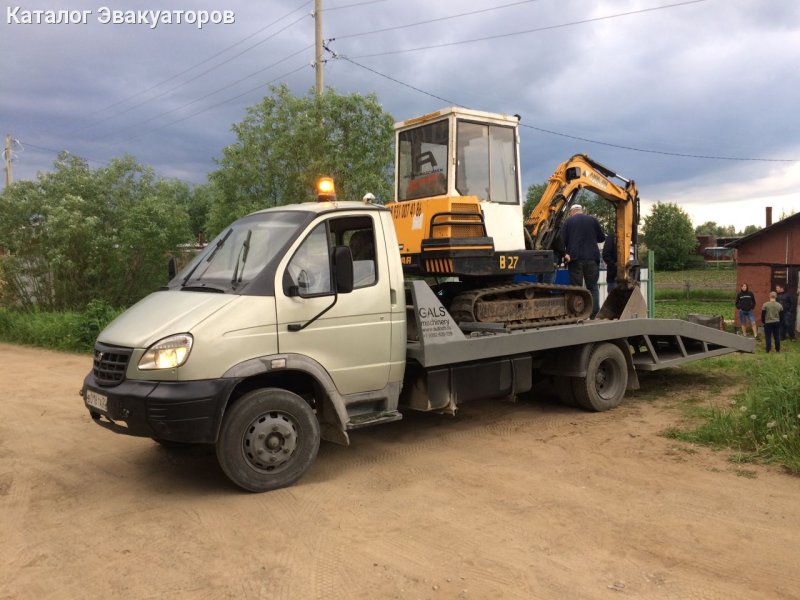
pixel 71 331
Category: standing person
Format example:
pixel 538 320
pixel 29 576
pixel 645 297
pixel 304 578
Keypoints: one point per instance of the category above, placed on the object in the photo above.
pixel 745 303
pixel 581 234
pixel 786 300
pixel 610 258
pixel 771 317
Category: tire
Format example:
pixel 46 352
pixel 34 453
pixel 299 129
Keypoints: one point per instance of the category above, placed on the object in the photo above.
pixel 606 379
pixel 563 388
pixel 269 438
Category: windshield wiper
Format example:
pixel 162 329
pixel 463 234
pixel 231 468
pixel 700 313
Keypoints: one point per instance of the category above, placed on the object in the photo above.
pixel 237 276
pixel 210 257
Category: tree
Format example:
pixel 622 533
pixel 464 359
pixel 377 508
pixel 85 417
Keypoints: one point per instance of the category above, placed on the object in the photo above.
pixel 712 228
pixel 593 204
pixel 75 235
pixel 285 143
pixel 751 229
pixel 668 232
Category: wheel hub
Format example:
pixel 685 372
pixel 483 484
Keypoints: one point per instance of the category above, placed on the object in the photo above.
pixel 270 441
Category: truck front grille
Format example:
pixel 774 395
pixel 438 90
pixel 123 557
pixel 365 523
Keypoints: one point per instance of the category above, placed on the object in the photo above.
pixel 110 363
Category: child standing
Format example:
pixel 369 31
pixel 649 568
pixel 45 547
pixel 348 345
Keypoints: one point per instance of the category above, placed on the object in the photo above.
pixel 771 317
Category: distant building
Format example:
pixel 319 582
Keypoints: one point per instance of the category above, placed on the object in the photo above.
pixel 769 257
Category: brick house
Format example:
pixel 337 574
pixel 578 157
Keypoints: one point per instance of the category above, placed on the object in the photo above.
pixel 769 257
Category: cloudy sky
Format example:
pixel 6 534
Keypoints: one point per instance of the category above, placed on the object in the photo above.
pixel 697 101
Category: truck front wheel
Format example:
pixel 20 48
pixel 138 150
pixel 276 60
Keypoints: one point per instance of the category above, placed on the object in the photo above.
pixel 269 438
pixel 606 379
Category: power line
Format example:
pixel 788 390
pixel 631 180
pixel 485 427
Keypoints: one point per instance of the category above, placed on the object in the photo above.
pixel 210 58
pixel 199 75
pixel 217 91
pixel 352 5
pixel 536 30
pixel 582 139
pixel 251 90
pixel 436 20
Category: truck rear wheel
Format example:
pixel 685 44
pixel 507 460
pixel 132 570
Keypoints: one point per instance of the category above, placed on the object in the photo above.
pixel 269 438
pixel 606 379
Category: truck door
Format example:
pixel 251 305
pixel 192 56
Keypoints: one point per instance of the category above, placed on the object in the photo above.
pixel 352 340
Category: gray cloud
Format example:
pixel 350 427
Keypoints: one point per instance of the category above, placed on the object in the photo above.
pixel 711 78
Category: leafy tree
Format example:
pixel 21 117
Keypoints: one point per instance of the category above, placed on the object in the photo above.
pixel 285 143
pixel 532 197
pixel 712 228
pixel 75 234
pixel 669 233
pixel 593 204
pixel 751 229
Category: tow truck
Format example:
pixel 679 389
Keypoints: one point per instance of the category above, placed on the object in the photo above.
pixel 298 323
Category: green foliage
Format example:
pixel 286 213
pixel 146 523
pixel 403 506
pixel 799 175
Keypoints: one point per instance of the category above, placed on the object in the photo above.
pixel 668 232
pixel 751 229
pixel 762 422
pixel 76 234
pixel 532 197
pixel 72 331
pixel 712 228
pixel 285 143
pixel 598 207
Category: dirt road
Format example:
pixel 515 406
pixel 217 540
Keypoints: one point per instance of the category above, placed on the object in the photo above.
pixel 528 500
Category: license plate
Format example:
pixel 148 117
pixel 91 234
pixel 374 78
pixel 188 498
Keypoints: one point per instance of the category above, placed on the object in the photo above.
pixel 99 401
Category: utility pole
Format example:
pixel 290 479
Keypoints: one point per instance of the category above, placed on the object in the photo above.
pixel 7 156
pixel 318 43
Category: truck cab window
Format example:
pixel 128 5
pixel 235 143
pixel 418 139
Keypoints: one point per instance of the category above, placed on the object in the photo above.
pixel 310 267
pixel 362 247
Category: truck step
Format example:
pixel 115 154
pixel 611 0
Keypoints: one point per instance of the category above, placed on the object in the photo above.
pixel 368 419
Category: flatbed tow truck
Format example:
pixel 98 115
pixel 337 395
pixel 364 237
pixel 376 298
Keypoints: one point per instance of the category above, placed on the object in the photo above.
pixel 297 323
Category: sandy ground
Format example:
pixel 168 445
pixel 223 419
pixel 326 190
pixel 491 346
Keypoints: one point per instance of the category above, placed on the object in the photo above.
pixel 529 500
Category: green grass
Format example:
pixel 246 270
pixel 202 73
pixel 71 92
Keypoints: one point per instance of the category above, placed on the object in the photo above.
pixel 709 276
pixel 762 422
pixel 72 331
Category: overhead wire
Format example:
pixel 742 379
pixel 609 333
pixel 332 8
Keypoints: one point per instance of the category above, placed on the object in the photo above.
pixel 527 31
pixel 209 59
pixel 217 91
pixel 574 137
pixel 182 84
pixel 435 20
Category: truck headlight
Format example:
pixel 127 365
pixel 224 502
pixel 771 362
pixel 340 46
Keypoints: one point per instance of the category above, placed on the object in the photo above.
pixel 169 353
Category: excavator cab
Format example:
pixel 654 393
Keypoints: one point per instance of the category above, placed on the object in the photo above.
pixel 457 206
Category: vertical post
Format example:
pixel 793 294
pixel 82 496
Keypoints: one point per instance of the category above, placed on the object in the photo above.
pixel 7 156
pixel 318 44
pixel 651 284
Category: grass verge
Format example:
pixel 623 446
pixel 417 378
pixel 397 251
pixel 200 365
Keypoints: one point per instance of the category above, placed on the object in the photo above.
pixel 72 331
pixel 762 422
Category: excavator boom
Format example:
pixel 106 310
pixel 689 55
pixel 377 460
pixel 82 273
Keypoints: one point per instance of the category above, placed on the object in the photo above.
pixel 544 224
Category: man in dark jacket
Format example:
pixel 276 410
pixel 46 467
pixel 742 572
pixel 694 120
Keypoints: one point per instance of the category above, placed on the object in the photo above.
pixel 786 300
pixel 581 234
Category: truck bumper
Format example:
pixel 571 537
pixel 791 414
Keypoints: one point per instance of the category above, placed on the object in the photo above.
pixel 188 411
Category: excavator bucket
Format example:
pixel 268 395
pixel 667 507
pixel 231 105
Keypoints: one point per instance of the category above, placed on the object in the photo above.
pixel 624 303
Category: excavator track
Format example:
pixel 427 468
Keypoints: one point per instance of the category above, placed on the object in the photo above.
pixel 523 305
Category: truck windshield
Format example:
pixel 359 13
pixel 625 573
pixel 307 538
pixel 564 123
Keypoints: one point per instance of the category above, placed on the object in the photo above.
pixel 263 235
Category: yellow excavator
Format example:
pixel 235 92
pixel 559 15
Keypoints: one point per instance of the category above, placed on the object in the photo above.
pixel 458 215
pixel 545 220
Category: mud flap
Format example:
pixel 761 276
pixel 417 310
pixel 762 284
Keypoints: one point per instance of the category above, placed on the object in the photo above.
pixel 624 303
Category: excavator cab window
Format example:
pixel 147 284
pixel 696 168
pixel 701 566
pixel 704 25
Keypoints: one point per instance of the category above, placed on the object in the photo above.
pixel 422 161
pixel 486 162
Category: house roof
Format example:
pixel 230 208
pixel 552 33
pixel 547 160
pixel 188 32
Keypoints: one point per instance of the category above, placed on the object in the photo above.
pixel 744 240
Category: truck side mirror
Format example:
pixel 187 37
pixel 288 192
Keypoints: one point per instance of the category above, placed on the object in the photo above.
pixel 343 269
